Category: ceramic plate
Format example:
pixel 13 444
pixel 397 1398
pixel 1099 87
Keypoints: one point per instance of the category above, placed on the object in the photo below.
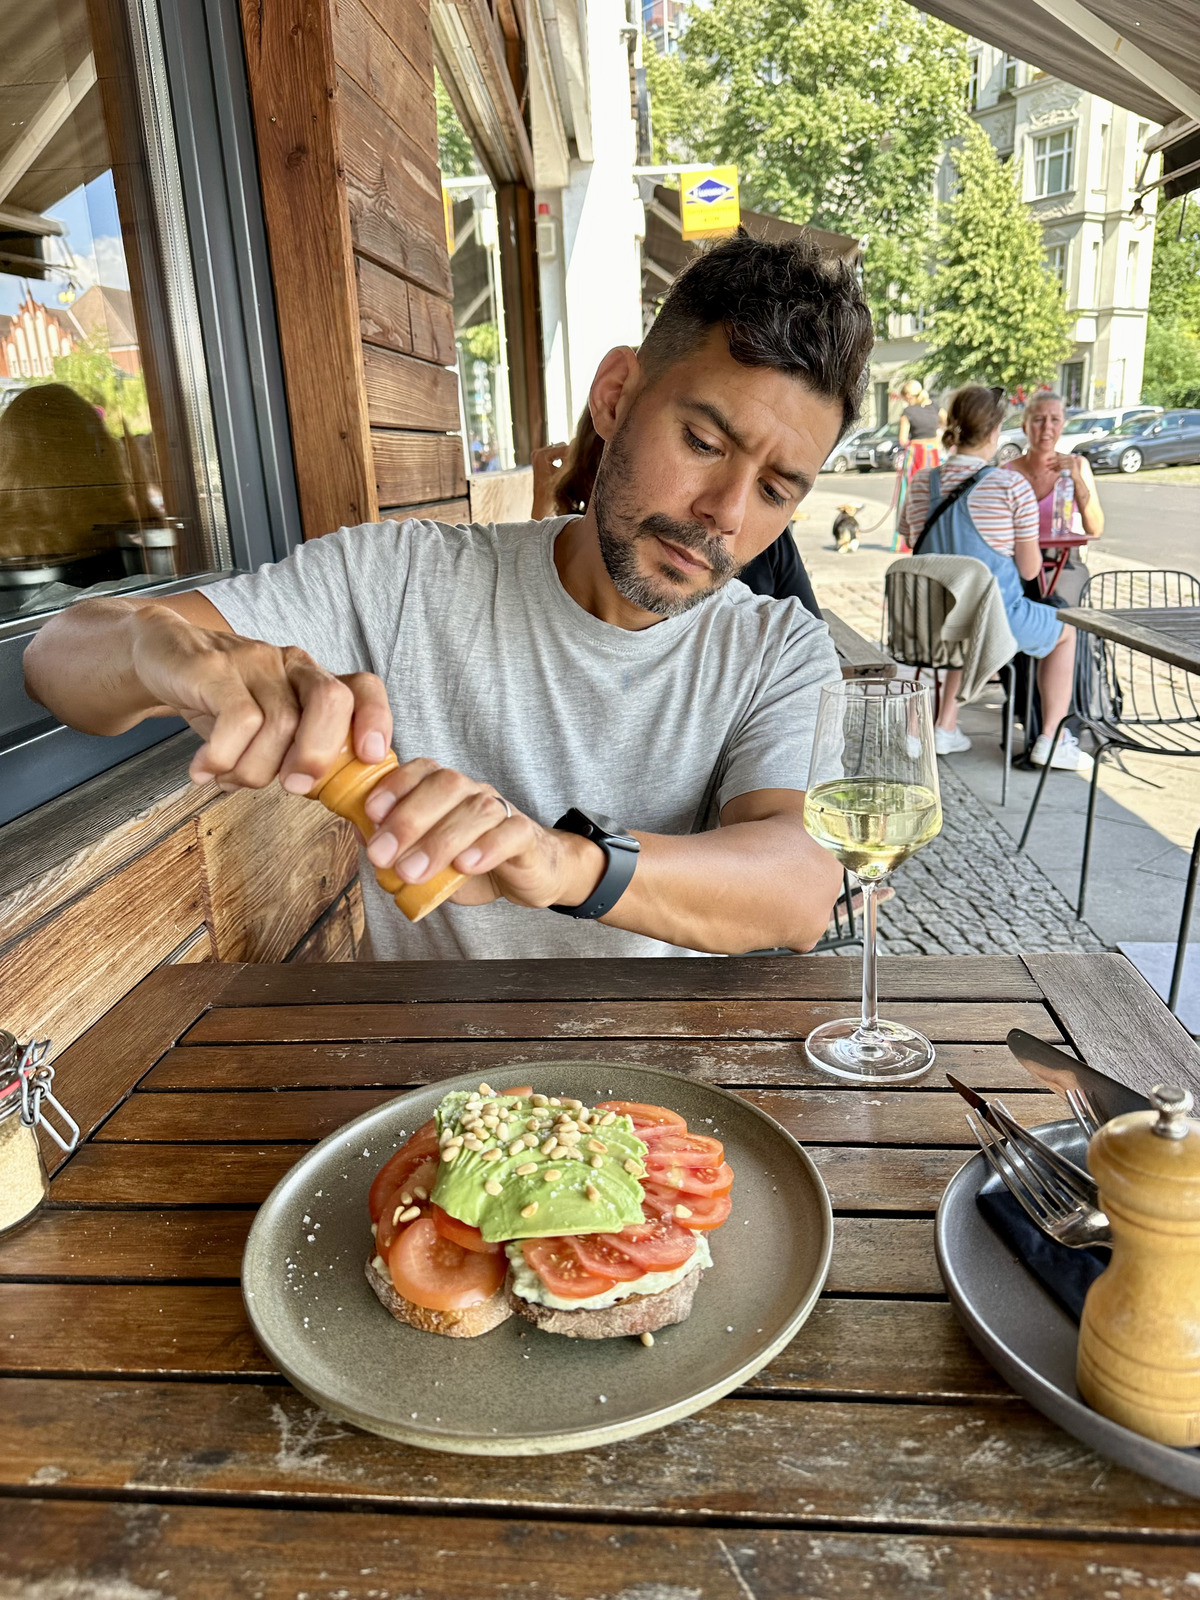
pixel 517 1390
pixel 1027 1336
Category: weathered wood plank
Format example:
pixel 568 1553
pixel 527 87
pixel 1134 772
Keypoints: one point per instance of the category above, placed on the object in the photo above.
pixel 369 55
pixel 942 978
pixel 455 512
pixel 306 202
pixel 394 192
pixel 130 1245
pixel 59 978
pixel 858 1177
pixel 969 1469
pixel 620 1019
pixel 814 1116
pixel 274 863
pixel 50 1544
pixel 407 25
pixel 402 316
pixel 361 1066
pixel 415 467
pixel 99 1069
pixel 338 932
pixel 403 392
pixel 1116 1021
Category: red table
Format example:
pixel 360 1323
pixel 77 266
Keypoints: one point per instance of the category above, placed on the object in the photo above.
pixel 1055 550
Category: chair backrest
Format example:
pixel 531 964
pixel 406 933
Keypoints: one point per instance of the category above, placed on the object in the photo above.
pixel 916 609
pixel 1121 688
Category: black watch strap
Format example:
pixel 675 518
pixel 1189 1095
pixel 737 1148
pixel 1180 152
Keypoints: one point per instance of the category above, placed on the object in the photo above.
pixel 620 853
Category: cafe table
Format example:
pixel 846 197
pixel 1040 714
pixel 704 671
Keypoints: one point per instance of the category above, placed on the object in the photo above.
pixel 149 1451
pixel 1170 634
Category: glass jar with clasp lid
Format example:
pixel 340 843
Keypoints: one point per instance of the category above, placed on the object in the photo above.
pixel 25 1095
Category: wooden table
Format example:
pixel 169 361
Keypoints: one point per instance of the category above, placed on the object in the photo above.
pixel 859 656
pixel 1168 633
pixel 147 1449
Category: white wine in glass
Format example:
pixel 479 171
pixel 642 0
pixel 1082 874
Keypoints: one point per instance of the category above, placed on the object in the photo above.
pixel 872 800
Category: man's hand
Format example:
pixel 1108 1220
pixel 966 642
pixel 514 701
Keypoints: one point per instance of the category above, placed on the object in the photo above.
pixel 430 817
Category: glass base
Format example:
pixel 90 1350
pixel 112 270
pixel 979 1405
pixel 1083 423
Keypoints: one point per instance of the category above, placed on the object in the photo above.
pixel 887 1053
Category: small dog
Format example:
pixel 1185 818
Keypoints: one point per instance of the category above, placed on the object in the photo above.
pixel 845 528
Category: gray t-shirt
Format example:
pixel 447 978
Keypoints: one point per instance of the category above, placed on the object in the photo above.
pixel 491 668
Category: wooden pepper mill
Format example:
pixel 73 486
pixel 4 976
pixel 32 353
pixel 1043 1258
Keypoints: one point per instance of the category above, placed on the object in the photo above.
pixel 1139 1337
pixel 343 789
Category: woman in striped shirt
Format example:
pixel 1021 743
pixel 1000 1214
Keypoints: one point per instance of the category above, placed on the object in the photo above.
pixel 995 521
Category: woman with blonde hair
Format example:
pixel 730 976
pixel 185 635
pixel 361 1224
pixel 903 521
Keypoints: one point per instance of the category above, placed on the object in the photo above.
pixel 970 508
pixel 919 424
pixel 1041 465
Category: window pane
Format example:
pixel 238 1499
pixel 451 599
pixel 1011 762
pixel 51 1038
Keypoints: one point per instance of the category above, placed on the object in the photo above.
pixel 99 436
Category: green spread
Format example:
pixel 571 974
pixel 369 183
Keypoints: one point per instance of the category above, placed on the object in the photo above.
pixel 530 1166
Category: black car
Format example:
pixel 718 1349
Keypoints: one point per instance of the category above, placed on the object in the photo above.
pixel 1155 441
pixel 878 449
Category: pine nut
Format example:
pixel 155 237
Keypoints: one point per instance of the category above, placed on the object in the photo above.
pixel 410 1215
pixel 492 1186
pixel 595 1144
pixel 607 1118
pixel 647 1340
pixel 530 1210
pixel 450 1153
pixel 490 1155
pixel 682 1211
pixel 631 1166
pixel 597 1161
pixel 540 1100
pixel 422 1194
pixel 516 1147
pixel 549 1145
pixel 551 1176
pixel 526 1169
pixel 592 1193
pixel 405 1199
pixel 485 1089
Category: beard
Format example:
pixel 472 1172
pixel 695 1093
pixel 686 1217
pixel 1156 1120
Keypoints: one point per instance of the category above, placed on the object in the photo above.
pixel 665 591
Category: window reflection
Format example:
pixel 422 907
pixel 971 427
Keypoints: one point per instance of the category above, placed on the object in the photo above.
pixel 96 489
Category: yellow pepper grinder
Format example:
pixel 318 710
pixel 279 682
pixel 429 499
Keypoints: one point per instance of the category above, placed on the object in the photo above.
pixel 1139 1337
pixel 343 789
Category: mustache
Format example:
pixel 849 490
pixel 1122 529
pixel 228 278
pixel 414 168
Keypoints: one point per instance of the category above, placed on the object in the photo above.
pixel 690 536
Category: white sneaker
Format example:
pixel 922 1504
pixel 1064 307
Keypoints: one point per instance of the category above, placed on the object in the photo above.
pixel 1068 756
pixel 949 742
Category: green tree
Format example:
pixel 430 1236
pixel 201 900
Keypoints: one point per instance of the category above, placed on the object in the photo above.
pixel 456 156
pixel 834 111
pixel 119 395
pixel 998 316
pixel 1172 372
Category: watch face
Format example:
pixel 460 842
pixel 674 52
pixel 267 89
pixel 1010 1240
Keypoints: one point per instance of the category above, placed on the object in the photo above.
pixel 599 824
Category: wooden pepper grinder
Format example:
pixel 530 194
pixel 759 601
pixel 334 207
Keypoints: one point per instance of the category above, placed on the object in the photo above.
pixel 1139 1337
pixel 343 789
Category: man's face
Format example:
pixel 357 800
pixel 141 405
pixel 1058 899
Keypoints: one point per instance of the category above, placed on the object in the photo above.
pixel 703 472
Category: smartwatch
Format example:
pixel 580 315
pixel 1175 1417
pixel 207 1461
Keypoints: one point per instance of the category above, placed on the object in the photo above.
pixel 620 853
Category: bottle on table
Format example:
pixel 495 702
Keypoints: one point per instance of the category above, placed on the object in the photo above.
pixel 1062 521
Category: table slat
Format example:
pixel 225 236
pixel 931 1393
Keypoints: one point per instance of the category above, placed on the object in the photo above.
pixel 215 1552
pixel 963 1468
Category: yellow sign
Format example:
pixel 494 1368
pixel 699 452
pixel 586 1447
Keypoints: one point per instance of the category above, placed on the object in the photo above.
pixel 709 203
pixel 448 214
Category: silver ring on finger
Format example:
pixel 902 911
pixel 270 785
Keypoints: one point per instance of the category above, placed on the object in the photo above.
pixel 508 810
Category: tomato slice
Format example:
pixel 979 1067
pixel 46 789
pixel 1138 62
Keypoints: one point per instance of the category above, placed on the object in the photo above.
pixel 463 1233
pixel 389 1225
pixel 642 1113
pixel 685 1149
pixel 437 1273
pixel 601 1253
pixel 657 1246
pixel 396 1169
pixel 558 1265
pixel 668 1174
pixel 658 1201
pixel 707 1211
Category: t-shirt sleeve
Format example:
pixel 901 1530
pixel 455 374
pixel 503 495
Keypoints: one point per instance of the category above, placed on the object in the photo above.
pixel 772 745
pixel 1024 507
pixel 338 597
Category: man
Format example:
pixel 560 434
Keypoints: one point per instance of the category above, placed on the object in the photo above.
pixel 608 663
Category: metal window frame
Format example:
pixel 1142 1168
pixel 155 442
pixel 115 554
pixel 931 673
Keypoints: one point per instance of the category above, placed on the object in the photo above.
pixel 197 110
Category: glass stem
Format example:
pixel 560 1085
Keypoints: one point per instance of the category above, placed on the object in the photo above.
pixel 870 981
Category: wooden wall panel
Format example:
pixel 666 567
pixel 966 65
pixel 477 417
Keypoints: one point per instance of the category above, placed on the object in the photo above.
pixel 406 23
pixel 412 468
pixel 289 58
pixel 394 191
pixel 367 53
pixel 439 511
pixel 273 863
pixel 402 316
pixel 404 393
pixel 60 977
pixel 338 934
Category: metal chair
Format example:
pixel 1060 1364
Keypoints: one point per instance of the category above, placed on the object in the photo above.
pixel 916 608
pixel 1130 701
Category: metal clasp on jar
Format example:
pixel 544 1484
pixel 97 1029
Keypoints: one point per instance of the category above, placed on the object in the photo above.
pixel 36 1075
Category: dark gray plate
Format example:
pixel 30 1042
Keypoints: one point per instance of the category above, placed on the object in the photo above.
pixel 517 1390
pixel 1025 1334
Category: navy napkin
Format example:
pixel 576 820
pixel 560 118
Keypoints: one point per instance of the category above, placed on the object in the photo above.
pixel 1067 1274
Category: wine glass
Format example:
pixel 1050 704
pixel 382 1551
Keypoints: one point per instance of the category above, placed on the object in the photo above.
pixel 872 800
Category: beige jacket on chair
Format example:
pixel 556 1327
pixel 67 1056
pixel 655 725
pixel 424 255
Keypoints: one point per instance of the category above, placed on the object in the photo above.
pixel 976 619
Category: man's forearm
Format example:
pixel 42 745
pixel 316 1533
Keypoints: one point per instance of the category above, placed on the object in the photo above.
pixel 751 886
pixel 80 667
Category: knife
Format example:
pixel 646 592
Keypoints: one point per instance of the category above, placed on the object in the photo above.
pixel 1027 1142
pixel 1056 1070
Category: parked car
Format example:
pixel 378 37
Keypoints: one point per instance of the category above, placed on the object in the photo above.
pixel 1155 441
pixel 1081 428
pixel 877 450
pixel 841 458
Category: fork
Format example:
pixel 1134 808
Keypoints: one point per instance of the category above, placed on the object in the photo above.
pixel 1080 1184
pixel 1083 1111
pixel 1044 1198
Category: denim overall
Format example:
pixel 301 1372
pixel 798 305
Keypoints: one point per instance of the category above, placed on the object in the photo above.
pixel 1035 627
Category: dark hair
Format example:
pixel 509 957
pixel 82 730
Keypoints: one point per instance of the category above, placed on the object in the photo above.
pixel 577 476
pixel 975 412
pixel 787 306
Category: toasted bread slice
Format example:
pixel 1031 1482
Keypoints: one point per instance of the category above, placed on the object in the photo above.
pixel 641 1313
pixel 466 1324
